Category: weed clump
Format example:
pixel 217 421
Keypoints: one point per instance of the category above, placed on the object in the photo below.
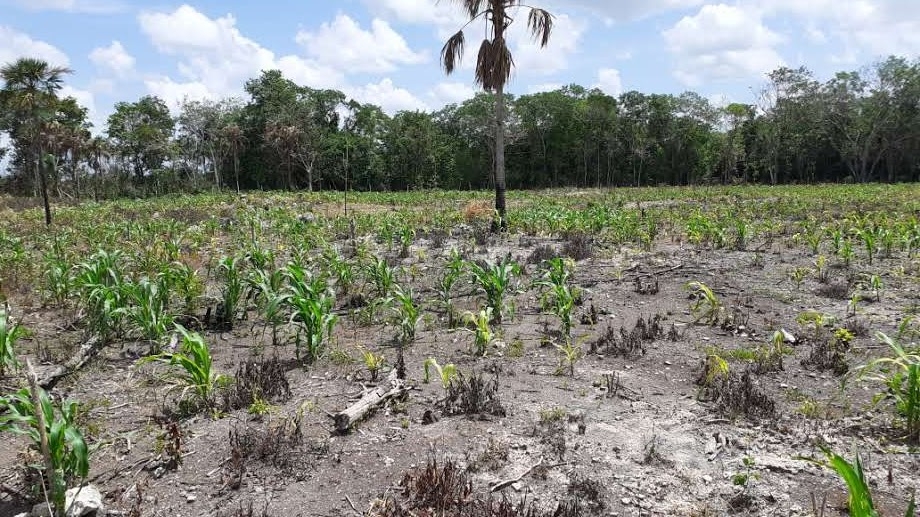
pixel 632 343
pixel 445 489
pixel 732 393
pixel 578 246
pixel 257 382
pixel 473 396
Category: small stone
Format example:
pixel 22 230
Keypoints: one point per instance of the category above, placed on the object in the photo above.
pixel 190 498
pixel 707 479
pixel 626 501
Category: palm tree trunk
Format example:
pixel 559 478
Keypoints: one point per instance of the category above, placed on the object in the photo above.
pixel 44 187
pixel 501 224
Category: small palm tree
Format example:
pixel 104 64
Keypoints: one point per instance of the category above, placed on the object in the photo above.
pixel 30 93
pixel 493 66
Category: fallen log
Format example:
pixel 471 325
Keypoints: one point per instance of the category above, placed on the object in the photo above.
pixel 393 387
pixel 48 376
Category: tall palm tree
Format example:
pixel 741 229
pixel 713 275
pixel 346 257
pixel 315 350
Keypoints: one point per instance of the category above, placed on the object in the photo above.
pixel 494 64
pixel 30 92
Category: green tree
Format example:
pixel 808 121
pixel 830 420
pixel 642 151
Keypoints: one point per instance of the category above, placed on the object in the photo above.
pixel 493 66
pixel 29 98
pixel 141 134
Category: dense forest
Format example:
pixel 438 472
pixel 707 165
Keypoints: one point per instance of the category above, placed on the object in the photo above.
pixel 855 127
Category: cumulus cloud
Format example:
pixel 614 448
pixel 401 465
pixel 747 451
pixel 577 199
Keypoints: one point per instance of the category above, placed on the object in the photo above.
pixel 722 42
pixel 113 59
pixel 614 11
pixel 451 93
pixel 216 58
pixel 609 81
pixel 387 95
pixel 74 6
pixel 343 44
pixel 15 44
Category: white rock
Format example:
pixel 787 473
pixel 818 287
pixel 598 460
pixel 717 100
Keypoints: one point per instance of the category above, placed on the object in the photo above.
pixel 84 501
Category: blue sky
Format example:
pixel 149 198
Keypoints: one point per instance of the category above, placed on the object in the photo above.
pixel 386 51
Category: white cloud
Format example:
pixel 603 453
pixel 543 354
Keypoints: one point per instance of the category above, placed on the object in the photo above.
pixel 722 42
pixel 609 81
pixel 173 93
pixel 451 93
pixel 531 59
pixel 344 45
pixel 74 6
pixel 387 95
pixel 544 87
pixel 114 59
pixel 445 15
pixel 216 58
pixel 626 10
pixel 15 45
pixel 872 28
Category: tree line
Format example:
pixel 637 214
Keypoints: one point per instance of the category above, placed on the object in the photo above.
pixel 857 126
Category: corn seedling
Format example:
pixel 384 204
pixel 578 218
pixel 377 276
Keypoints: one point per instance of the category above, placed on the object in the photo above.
pixel 859 502
pixel 558 296
pixel 230 272
pixel 408 314
pixel 381 275
pixel 453 268
pixel 900 374
pixel 853 304
pixel 196 377
pixel 311 305
pixel 101 286
pixel 868 237
pixel 875 283
pixel 446 373
pixel 341 269
pixel 68 454
pixel 707 307
pixel 148 309
pixel 821 270
pixel 570 353
pixel 481 329
pixel 9 334
pixel 815 321
pixel 494 280
pixel 270 299
pixel 846 252
pixel 798 275
pixel 373 362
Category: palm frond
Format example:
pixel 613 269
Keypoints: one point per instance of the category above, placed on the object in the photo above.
pixel 452 52
pixel 540 23
pixel 493 64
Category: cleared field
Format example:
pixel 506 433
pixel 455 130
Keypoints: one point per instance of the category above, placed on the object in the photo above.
pixel 660 351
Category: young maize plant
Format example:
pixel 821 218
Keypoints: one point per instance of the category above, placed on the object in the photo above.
pixel 494 280
pixel 9 334
pixel 446 373
pixel 381 275
pixel 101 285
pixel 270 299
pixel 453 269
pixel 708 307
pixel 900 374
pixel 859 503
pixel 311 304
pixel 230 271
pixel 408 315
pixel 68 454
pixel 558 296
pixel 373 362
pixel 148 309
pixel 482 331
pixel 195 376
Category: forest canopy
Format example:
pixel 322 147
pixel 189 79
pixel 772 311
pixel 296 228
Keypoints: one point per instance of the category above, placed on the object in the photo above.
pixel 854 127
